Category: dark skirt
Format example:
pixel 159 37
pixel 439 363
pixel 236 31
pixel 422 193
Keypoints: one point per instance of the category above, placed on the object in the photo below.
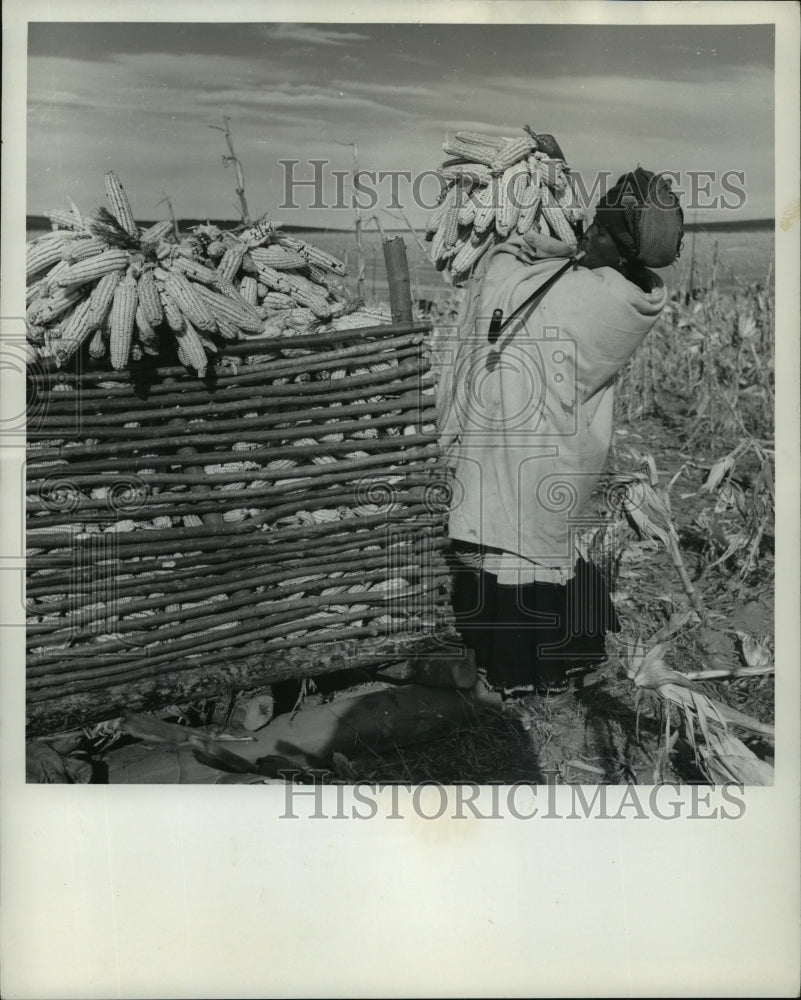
pixel 534 636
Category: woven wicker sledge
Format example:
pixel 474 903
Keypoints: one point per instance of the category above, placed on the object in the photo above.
pixel 282 517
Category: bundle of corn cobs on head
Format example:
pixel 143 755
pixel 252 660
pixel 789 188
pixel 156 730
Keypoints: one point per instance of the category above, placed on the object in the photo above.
pixel 125 290
pixel 497 188
pixel 184 533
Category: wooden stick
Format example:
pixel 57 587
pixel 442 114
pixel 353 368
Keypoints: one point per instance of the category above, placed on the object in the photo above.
pixel 269 543
pixel 366 353
pixel 47 669
pixel 277 490
pixel 199 539
pixel 52 425
pixel 397 266
pixel 258 345
pixel 170 588
pixel 123 623
pixel 51 710
pixel 64 403
pixel 40 564
pixel 249 432
pixel 131 593
pixel 267 419
pixel 106 471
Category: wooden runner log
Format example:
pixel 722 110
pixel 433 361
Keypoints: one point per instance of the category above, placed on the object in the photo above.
pixel 61 711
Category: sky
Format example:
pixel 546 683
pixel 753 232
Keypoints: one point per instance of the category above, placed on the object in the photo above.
pixel 139 98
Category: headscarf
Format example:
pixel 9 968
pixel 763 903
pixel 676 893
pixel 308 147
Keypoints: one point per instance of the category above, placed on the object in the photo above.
pixel 643 216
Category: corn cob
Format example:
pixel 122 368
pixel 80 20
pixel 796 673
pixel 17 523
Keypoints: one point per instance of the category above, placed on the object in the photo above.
pixel 94 267
pixel 437 215
pixel 314 255
pixel 276 300
pixel 121 322
pixel 231 292
pixel 34 291
pixel 485 211
pixel 270 277
pixel 512 151
pixel 281 258
pixel 553 173
pixel 215 249
pixel 231 261
pixel 120 206
pixel 449 227
pixel 226 329
pixel 66 220
pixel 471 151
pixel 305 293
pixel 75 331
pixel 196 271
pixel 102 296
pixel 184 294
pixel 299 283
pixel 470 253
pixel 149 300
pixel 302 294
pixel 191 350
pixel 322 279
pixel 145 332
pixel 34 334
pixel 83 249
pixel 512 183
pixel 467 212
pixel 479 138
pixel 570 204
pixel 172 314
pixel 255 235
pixel 158 231
pixel 40 256
pixel 248 289
pixel 235 311
pixel 299 318
pixel 188 247
pixel 51 285
pixel 97 346
pixel 51 307
pixel 440 254
pixel 558 224
pixel 529 205
pixel 473 173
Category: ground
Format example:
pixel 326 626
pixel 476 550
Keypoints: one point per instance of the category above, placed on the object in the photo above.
pixel 596 735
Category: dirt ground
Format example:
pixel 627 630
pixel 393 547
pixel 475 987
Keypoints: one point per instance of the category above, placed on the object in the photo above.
pixel 597 734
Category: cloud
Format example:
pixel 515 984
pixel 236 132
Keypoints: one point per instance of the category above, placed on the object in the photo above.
pixel 311 34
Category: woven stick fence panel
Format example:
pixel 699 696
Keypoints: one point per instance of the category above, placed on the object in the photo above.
pixel 281 517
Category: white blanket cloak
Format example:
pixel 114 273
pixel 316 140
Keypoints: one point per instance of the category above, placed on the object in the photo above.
pixel 528 424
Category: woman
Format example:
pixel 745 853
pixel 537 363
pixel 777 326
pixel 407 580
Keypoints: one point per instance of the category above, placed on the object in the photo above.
pixel 528 427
